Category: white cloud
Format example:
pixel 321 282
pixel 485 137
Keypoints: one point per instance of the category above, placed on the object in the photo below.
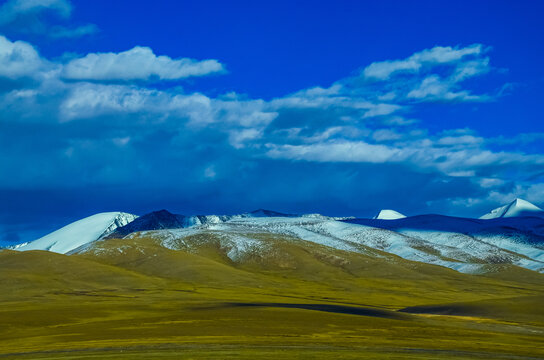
pixel 490 182
pixel 463 140
pixel 238 138
pixel 438 55
pixel 446 54
pixel 427 153
pixel 325 135
pixel 386 135
pixel 90 100
pixel 349 121
pixel 435 88
pixel 380 109
pixel 19 59
pixel 431 75
pixel 138 63
pixel 335 151
pixel 470 68
pixel 245 113
pixel 334 97
pixel 382 70
pixel 303 100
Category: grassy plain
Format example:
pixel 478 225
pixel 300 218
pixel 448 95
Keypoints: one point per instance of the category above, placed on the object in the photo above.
pixel 133 299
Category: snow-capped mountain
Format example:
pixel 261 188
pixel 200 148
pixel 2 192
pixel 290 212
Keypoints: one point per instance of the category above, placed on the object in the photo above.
pixel 462 244
pixel 388 214
pixel 164 219
pixel 517 240
pixel 516 208
pixel 465 245
pixel 79 233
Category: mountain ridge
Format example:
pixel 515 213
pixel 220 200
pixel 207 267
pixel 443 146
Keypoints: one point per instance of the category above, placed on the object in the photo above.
pixel 463 244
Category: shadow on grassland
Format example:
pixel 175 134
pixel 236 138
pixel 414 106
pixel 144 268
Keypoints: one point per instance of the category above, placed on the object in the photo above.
pixel 448 309
pixel 526 309
pixel 338 309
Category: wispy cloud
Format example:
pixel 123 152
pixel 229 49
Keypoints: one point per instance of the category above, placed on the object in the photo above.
pixel 60 32
pixel 435 88
pixel 30 16
pixel 12 10
pixel 417 62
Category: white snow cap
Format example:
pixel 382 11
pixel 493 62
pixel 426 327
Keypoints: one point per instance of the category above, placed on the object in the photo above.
pixel 387 214
pixel 80 232
pixel 516 208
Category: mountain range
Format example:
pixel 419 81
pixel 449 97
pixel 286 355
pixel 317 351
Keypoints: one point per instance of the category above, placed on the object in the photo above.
pixel 511 234
pixel 267 285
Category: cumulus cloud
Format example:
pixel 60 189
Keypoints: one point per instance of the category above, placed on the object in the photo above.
pixel 19 59
pixel 138 63
pixel 92 100
pixel 103 104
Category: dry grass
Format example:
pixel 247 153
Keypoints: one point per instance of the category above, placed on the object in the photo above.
pixel 150 302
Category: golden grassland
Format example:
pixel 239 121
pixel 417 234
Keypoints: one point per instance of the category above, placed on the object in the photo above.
pixel 134 299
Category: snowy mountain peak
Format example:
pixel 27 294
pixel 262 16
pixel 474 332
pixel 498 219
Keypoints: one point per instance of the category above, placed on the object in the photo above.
pixel 516 208
pixel 388 214
pixel 79 233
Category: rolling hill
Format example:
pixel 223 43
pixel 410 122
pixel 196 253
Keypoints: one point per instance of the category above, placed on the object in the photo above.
pixel 268 286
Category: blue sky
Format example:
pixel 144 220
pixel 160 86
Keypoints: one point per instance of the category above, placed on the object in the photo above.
pixel 341 108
